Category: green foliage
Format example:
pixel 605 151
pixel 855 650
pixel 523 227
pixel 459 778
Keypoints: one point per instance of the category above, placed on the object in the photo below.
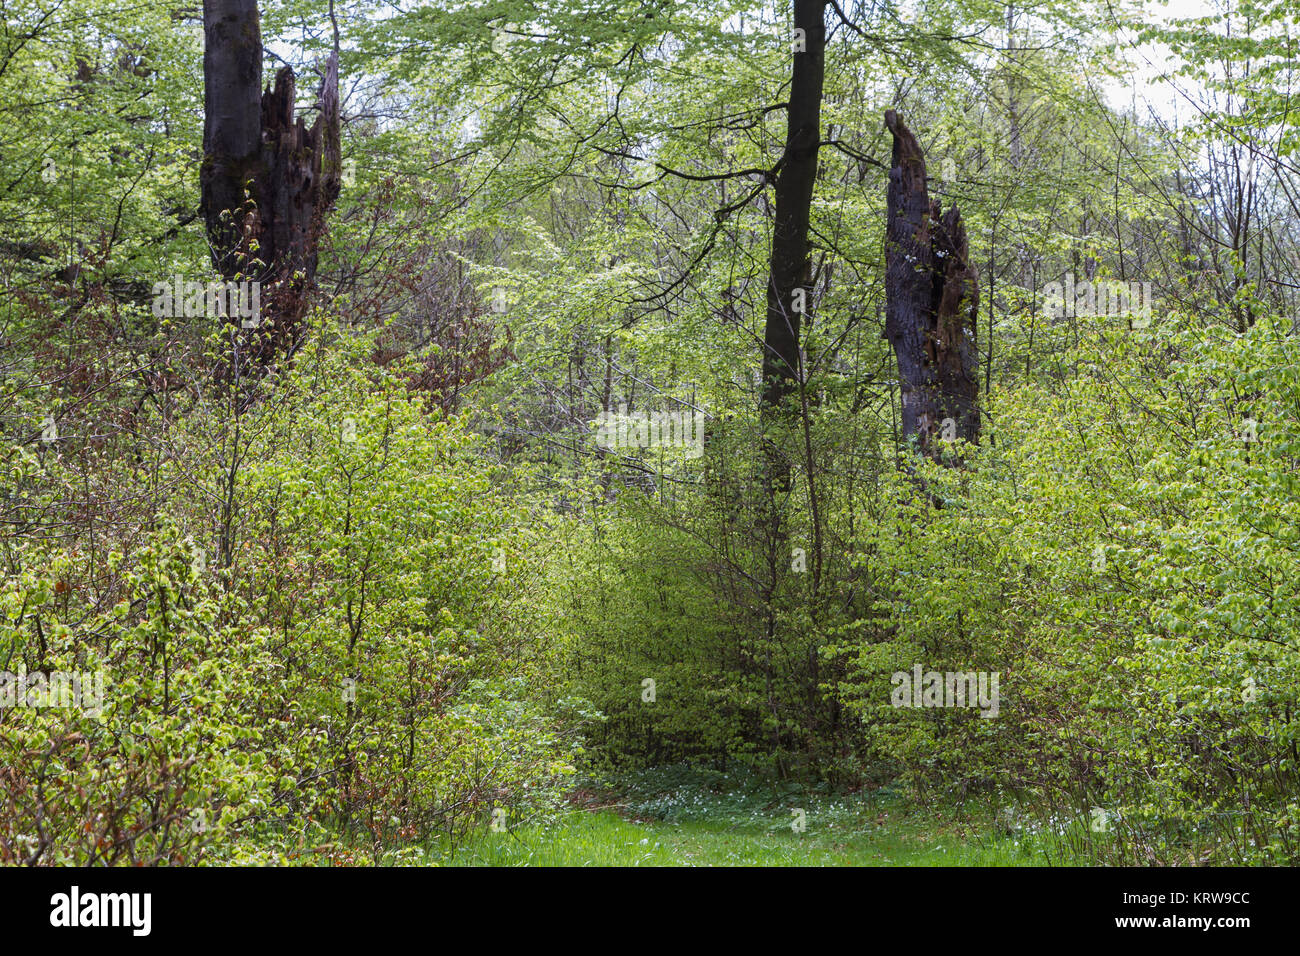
pixel 402 587
pixel 361 662
pixel 1121 556
pixel 359 607
pixel 641 626
pixel 171 756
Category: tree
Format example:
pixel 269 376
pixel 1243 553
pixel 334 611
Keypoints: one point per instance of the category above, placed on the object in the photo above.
pixel 932 292
pixel 268 181
pixel 787 287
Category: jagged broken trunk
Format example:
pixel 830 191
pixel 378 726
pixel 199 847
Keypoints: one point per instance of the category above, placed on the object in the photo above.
pixel 267 180
pixel 932 302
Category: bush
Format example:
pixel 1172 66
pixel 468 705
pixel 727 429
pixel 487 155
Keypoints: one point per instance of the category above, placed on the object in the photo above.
pixel 331 632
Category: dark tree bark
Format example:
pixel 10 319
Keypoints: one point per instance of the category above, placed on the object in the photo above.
pixel 932 304
pixel 267 181
pixel 788 297
pixel 794 190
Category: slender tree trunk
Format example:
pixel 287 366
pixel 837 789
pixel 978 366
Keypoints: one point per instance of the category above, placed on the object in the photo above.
pixel 787 287
pixel 932 304
pixel 788 298
pixel 788 293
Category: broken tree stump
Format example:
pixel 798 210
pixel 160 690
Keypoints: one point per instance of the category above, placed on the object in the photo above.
pixel 267 180
pixel 931 304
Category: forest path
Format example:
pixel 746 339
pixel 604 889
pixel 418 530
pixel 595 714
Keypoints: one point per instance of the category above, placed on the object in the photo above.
pixel 604 838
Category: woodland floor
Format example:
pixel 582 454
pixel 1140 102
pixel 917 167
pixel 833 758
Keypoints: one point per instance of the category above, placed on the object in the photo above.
pixel 604 838
pixel 680 817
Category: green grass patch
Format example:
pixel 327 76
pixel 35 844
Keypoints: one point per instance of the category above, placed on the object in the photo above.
pixel 683 816
pixel 604 838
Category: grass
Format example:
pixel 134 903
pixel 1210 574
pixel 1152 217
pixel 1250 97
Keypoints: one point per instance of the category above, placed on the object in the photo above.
pixel 686 816
pixel 681 816
pixel 604 838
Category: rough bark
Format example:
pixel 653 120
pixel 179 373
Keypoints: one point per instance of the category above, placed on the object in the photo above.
pixel 267 180
pixel 932 303
pixel 788 273
pixel 794 190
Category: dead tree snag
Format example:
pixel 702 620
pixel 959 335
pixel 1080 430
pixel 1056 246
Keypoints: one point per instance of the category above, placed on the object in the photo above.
pixel 932 302
pixel 267 180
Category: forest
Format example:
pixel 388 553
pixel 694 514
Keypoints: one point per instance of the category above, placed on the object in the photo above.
pixel 640 433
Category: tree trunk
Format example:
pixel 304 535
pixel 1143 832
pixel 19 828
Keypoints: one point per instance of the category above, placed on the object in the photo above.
pixel 788 298
pixel 267 180
pixel 932 304
pixel 794 190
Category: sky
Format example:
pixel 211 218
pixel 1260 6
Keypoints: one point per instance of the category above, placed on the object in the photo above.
pixel 1144 89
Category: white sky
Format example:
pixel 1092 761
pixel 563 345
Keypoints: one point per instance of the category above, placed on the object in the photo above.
pixel 1150 61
